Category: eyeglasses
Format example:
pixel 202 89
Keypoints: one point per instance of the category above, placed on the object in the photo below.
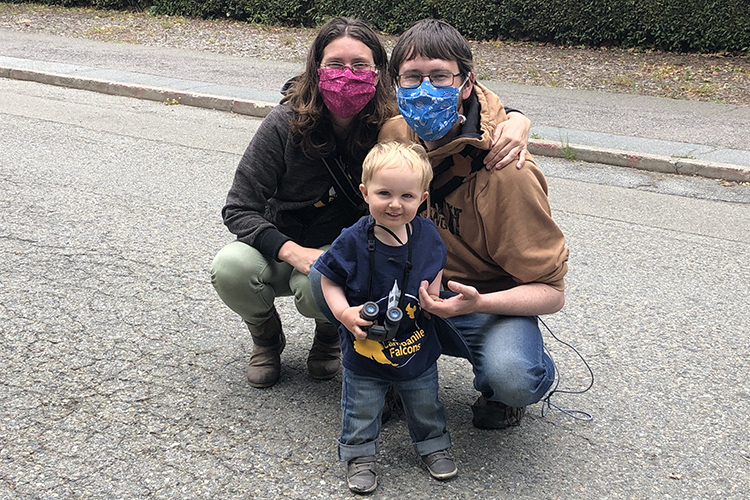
pixel 437 78
pixel 357 68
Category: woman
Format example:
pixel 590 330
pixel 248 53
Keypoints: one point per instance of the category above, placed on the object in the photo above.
pixel 296 187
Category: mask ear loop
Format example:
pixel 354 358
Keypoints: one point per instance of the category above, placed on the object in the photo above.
pixel 461 118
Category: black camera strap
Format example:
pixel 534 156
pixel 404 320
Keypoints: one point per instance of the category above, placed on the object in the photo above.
pixel 343 183
pixel 371 253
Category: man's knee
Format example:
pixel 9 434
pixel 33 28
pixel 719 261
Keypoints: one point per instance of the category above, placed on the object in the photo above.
pixel 516 383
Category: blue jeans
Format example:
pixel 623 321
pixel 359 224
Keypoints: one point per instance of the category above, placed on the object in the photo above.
pixel 506 352
pixel 362 399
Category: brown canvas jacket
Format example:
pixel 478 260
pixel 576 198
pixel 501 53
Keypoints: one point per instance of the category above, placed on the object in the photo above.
pixel 496 224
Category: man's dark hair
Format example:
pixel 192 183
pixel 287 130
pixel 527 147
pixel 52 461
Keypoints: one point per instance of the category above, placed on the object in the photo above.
pixel 432 39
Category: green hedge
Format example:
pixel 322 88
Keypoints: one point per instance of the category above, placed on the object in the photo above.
pixel 269 12
pixel 468 16
pixel 97 4
pixel 672 25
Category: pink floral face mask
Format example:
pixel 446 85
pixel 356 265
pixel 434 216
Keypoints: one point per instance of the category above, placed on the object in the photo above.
pixel 346 93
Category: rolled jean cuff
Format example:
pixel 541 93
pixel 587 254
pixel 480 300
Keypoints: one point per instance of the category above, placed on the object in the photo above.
pixel 433 444
pixel 351 451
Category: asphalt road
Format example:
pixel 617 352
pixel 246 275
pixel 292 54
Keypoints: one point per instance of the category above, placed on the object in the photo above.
pixel 123 373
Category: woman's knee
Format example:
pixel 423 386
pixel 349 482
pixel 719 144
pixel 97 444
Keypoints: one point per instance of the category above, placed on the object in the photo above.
pixel 242 278
pixel 230 265
pixel 303 296
pixel 308 295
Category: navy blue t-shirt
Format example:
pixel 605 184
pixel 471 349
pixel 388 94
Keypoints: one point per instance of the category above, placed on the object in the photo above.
pixel 416 347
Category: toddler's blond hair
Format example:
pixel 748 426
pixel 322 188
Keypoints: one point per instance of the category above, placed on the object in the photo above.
pixel 396 154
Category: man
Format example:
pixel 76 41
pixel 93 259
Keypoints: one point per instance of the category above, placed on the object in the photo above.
pixel 506 256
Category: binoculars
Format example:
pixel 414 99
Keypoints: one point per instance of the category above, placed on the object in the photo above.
pixel 389 328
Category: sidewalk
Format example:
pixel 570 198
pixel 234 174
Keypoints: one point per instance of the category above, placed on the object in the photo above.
pixel 656 134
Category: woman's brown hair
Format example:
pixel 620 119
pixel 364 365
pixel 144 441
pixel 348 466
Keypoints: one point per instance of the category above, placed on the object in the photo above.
pixel 311 125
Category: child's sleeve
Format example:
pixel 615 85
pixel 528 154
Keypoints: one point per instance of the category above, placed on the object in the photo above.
pixel 338 262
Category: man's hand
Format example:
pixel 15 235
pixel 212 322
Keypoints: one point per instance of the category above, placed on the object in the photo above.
pixel 299 257
pixel 467 301
pixel 509 142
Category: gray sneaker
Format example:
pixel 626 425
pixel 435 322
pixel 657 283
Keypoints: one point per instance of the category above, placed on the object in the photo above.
pixel 440 464
pixel 360 474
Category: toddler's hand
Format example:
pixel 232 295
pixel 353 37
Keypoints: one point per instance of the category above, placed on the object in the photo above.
pixel 353 322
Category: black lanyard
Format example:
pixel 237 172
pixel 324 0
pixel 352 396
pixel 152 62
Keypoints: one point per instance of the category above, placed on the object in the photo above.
pixel 343 183
pixel 371 252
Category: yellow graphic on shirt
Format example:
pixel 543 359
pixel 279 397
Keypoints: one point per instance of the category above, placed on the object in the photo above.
pixel 372 350
pixel 410 310
pixel 380 353
pixel 394 352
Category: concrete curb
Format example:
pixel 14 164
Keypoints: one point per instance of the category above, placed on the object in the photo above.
pixel 259 109
pixel 234 105
pixel 641 161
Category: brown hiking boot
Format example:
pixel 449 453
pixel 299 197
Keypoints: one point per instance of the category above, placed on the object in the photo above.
pixel 495 415
pixel 264 369
pixel 324 360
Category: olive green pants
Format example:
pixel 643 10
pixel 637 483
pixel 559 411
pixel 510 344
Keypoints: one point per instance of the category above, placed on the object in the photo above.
pixel 249 283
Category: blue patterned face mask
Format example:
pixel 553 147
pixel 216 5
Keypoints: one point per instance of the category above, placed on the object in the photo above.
pixel 430 111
